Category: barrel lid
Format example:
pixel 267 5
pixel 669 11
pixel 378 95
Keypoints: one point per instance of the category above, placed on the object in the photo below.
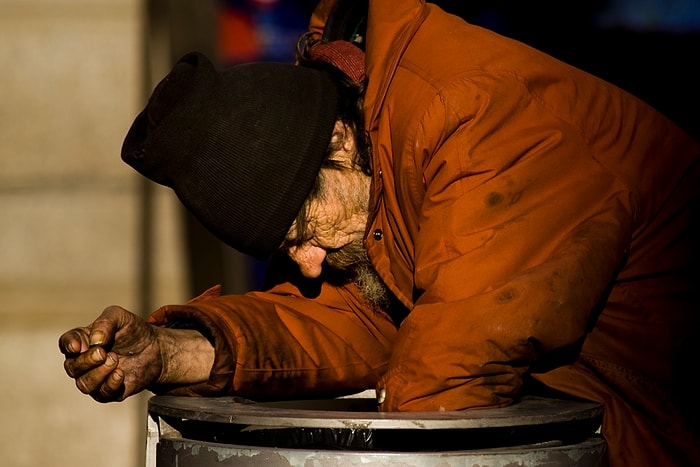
pixel 361 413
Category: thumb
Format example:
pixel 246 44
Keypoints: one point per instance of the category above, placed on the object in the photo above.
pixel 106 325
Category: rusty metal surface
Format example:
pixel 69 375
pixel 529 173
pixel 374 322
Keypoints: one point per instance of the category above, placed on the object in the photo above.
pixel 357 413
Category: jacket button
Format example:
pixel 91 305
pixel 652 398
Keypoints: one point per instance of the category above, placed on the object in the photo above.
pixel 378 234
pixel 381 396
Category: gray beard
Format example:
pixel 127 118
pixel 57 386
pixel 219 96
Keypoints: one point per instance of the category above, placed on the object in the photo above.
pixel 353 262
pixel 371 285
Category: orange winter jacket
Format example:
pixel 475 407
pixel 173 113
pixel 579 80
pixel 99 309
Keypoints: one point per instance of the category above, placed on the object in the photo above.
pixel 535 222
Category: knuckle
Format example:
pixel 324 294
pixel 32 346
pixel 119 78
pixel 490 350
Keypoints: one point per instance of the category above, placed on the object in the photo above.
pixel 83 386
pixel 97 396
pixel 111 312
pixel 68 367
pixel 104 393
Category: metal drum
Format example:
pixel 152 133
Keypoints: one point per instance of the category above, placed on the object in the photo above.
pixel 203 432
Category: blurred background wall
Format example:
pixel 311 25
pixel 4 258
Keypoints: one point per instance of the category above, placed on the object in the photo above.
pixel 70 236
pixel 79 230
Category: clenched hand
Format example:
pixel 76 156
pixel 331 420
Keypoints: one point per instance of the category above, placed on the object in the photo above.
pixel 118 355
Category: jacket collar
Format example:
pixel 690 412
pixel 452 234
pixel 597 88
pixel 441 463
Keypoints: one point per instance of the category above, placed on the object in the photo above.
pixel 387 19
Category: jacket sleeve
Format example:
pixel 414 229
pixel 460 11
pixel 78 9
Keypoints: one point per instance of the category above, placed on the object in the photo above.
pixel 521 230
pixel 280 343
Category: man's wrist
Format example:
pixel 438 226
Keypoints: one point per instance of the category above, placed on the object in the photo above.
pixel 186 356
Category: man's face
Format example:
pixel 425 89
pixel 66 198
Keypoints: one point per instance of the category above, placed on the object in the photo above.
pixel 336 223
pixel 336 232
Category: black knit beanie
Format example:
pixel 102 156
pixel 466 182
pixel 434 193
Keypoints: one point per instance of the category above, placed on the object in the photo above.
pixel 240 147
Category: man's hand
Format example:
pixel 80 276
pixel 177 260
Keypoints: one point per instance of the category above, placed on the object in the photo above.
pixel 115 357
pixel 120 354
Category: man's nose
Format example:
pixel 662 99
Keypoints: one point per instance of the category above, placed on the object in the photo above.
pixel 309 258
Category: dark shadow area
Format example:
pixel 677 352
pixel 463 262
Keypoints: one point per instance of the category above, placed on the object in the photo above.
pixel 390 440
pixel 652 56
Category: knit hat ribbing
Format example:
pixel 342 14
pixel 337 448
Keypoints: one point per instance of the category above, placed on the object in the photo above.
pixel 240 147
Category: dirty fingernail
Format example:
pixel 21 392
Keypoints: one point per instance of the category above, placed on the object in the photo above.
pixel 110 361
pixel 97 338
pixel 97 355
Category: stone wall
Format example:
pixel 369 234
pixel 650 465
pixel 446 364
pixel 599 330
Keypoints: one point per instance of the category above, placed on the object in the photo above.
pixel 70 232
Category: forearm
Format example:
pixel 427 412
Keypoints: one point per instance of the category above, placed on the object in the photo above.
pixel 279 343
pixel 187 356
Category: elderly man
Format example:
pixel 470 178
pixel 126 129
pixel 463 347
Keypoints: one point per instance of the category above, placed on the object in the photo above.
pixel 469 220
